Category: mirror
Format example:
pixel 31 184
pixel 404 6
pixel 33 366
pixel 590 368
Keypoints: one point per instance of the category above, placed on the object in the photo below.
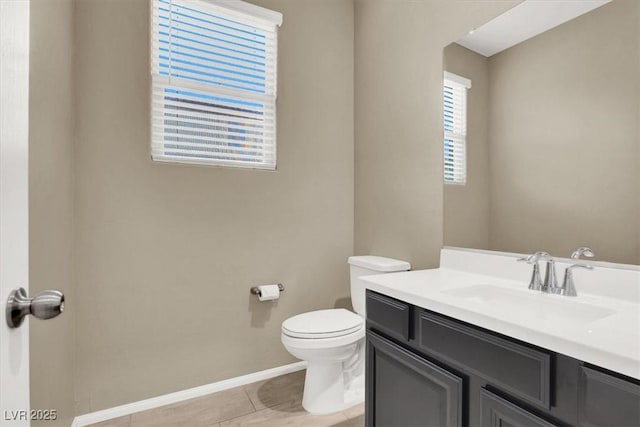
pixel 552 131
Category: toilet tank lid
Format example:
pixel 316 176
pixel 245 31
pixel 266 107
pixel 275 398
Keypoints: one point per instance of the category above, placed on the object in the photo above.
pixel 378 263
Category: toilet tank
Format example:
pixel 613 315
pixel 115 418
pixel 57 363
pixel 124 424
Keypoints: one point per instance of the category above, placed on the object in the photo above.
pixel 367 265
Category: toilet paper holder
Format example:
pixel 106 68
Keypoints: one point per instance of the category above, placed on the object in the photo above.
pixel 256 290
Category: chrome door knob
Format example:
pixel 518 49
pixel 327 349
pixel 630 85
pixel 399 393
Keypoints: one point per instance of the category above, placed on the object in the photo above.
pixel 45 305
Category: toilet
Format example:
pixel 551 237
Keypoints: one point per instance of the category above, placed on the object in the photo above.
pixel 332 343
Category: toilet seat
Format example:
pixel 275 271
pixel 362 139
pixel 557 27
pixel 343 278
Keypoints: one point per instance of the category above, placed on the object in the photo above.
pixel 322 324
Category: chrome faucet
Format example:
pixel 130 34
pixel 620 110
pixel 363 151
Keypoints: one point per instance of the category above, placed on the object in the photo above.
pixel 550 284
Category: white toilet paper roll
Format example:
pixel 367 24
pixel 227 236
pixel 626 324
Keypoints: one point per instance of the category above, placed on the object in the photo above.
pixel 268 292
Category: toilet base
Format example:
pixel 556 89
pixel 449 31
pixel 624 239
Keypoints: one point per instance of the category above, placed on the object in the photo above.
pixel 325 391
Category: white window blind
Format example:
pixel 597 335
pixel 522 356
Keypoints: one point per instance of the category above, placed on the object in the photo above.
pixel 455 128
pixel 214 69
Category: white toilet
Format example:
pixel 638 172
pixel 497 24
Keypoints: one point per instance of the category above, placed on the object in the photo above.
pixel 332 343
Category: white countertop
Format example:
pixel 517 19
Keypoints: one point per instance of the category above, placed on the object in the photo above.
pixel 612 341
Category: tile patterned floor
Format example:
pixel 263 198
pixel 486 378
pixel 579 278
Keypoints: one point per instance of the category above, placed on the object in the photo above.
pixel 271 403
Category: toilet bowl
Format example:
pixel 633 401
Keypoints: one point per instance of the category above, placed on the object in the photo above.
pixel 332 343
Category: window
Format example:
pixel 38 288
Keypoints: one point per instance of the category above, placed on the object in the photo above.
pixel 455 128
pixel 213 68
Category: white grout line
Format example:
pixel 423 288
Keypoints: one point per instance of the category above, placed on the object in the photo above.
pixel 179 396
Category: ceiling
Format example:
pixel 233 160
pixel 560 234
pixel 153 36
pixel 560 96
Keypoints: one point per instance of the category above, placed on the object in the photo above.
pixel 524 21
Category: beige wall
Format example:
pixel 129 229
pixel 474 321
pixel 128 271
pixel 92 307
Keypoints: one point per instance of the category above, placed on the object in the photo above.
pixel 166 254
pixel 51 203
pixel 398 121
pixel 564 138
pixel 466 207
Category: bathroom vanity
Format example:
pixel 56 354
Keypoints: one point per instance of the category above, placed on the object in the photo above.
pixel 448 347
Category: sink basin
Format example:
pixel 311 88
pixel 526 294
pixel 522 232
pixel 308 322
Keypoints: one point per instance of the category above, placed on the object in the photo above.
pixel 538 305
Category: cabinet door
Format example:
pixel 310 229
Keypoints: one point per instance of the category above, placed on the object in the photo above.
pixel 498 412
pixel 403 389
pixel 605 400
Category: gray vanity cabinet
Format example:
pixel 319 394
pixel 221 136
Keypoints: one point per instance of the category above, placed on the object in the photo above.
pixel 409 388
pixel 426 369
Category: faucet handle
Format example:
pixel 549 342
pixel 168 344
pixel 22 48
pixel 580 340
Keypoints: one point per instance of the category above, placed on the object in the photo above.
pixel 582 252
pixel 535 284
pixel 568 285
pixel 535 257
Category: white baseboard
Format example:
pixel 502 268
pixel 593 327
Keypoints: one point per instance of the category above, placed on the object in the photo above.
pixel 179 396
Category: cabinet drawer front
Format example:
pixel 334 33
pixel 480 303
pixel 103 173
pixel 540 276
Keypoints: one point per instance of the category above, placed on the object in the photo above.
pixel 517 369
pixel 388 315
pixel 498 412
pixel 404 389
pixel 605 400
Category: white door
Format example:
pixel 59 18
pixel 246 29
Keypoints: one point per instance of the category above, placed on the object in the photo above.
pixel 14 205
